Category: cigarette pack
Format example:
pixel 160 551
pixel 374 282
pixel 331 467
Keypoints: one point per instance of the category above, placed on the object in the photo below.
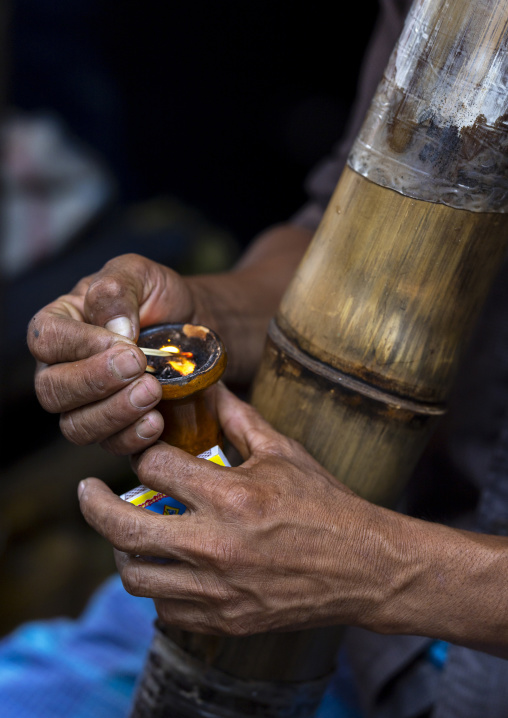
pixel 156 501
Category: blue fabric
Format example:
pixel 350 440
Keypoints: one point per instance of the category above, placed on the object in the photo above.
pixel 340 699
pixel 88 667
pixel 79 669
pixel 438 654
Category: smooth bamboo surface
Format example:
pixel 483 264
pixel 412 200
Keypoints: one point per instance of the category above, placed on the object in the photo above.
pixel 391 286
pixel 365 438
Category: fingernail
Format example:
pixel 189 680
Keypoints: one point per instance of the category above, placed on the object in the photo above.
pixel 126 364
pixel 81 488
pixel 142 396
pixel 145 429
pixel 121 325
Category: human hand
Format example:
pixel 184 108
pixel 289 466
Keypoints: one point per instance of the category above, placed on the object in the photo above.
pixel 274 544
pixel 93 377
pixel 89 368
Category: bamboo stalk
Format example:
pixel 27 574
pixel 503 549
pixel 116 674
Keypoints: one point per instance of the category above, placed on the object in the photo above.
pixel 384 314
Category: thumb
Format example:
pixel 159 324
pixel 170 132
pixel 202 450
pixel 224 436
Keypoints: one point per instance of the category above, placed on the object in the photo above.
pixel 244 427
pixel 131 290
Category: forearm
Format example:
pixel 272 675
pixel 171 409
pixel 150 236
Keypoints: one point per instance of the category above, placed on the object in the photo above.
pixel 445 584
pixel 240 303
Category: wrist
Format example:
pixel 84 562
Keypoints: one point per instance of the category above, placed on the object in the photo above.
pixel 376 559
pixel 240 303
pixel 228 303
pixel 444 583
pixel 400 563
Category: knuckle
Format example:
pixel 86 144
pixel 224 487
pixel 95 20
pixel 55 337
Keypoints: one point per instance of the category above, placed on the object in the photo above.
pixel 268 442
pixel 117 446
pixel 85 425
pixel 200 588
pixel 41 336
pixel 125 533
pixel 222 554
pixel 240 498
pixel 214 591
pixel 291 446
pixel 165 611
pixel 105 424
pixel 75 432
pixel 236 629
pixel 33 334
pixel 231 622
pixel 113 281
pixel 151 461
pixel 219 627
pixel 279 448
pixel 230 555
pixel 124 262
pixel 104 287
pixel 132 579
pixel 202 546
pixel 226 554
pixel 93 384
pixel 47 393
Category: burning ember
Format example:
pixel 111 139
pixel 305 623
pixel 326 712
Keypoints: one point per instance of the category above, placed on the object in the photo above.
pixel 181 361
pixel 181 355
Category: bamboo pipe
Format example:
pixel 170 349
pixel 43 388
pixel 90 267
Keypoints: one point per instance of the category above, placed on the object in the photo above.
pixel 188 404
pixel 399 306
pixel 362 354
pixel 392 284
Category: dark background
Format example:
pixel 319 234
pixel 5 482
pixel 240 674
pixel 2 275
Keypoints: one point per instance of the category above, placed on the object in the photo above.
pixel 224 104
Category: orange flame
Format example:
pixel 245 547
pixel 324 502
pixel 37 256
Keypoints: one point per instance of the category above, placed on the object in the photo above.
pixel 182 360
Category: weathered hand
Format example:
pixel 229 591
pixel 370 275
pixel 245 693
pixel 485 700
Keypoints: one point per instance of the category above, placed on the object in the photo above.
pixel 94 377
pixel 274 544
pixel 89 369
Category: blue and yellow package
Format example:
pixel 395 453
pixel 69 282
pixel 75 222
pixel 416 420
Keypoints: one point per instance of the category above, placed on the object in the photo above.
pixel 161 503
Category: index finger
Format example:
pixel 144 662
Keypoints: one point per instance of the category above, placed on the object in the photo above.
pixel 133 291
pixel 128 528
pixel 58 333
pixel 193 481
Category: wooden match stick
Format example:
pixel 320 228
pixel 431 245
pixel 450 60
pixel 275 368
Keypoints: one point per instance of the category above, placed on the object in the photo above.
pixel 156 352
